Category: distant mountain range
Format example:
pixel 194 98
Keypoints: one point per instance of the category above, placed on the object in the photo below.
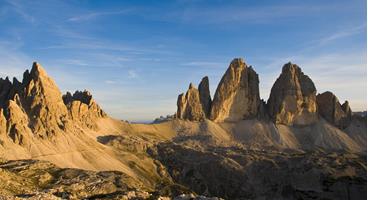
pixel 297 145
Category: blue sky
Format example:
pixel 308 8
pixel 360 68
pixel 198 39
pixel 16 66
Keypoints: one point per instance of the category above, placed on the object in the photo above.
pixel 137 56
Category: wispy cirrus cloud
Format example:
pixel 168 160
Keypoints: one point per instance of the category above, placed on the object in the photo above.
pixel 243 12
pixel 19 8
pixel 94 15
pixel 347 32
pixel 204 64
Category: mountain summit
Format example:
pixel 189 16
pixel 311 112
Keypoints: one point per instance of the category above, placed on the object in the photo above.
pixel 294 117
pixel 35 107
pixel 231 147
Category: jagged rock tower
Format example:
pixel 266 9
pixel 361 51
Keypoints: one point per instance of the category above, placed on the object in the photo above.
pixel 237 95
pixel 293 98
pixel 189 105
pixel 35 108
pixel 330 109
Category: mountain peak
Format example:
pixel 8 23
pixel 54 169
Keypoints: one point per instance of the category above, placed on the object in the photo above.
pixel 238 63
pixel 290 67
pixel 293 97
pixel 204 95
pixel 37 70
pixel 237 95
pixel 191 86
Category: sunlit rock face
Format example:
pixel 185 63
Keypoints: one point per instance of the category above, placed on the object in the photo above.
pixel 83 108
pixel 330 109
pixel 32 106
pixel 36 108
pixel 293 98
pixel 189 105
pixel 237 95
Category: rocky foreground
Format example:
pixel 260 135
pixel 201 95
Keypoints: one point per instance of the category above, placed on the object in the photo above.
pixel 31 179
pixel 296 145
pixel 227 172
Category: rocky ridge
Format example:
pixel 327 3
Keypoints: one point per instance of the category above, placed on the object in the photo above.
pixel 292 101
pixel 36 108
pixel 174 156
pixel 83 108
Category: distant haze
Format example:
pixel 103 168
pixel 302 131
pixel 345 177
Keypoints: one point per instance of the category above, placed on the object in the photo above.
pixel 136 57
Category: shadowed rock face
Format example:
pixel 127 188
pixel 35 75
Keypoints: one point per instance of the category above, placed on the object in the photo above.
pixel 330 109
pixel 237 95
pixel 35 106
pixel 347 110
pixel 293 98
pixel 237 173
pixel 189 105
pixel 204 95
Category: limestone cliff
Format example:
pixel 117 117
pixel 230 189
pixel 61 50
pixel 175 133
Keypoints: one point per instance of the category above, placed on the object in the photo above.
pixel 237 95
pixel 293 98
pixel 330 109
pixel 35 107
pixel 189 105
pixel 41 99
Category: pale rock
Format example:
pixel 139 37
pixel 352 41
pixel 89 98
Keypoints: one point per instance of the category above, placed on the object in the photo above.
pixel 42 100
pixel 83 108
pixel 2 122
pixel 237 95
pixel 17 123
pixel 189 105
